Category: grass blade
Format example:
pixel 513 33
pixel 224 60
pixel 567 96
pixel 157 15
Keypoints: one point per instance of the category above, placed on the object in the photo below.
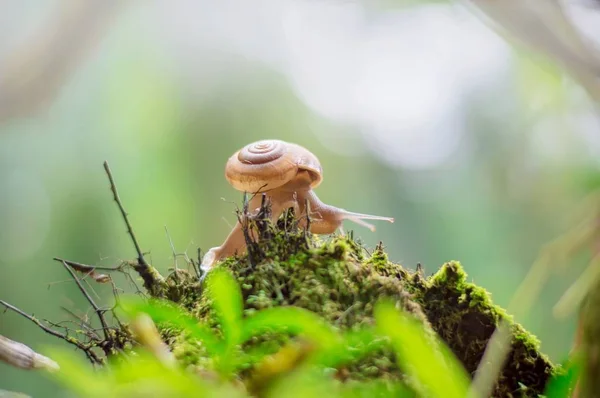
pixel 164 312
pixel 437 371
pixel 227 302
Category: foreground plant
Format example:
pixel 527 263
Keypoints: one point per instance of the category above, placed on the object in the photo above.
pixel 431 367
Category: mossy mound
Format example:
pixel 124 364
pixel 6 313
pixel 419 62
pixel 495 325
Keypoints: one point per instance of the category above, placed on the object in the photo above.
pixel 464 316
pixel 341 281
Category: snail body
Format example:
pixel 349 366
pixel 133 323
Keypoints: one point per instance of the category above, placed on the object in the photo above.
pixel 287 173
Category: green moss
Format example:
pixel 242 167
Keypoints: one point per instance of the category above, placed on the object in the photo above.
pixel 154 282
pixel 339 280
pixel 189 352
pixel 331 279
pixel 465 317
pixel 183 288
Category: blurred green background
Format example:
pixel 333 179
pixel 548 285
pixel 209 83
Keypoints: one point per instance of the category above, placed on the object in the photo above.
pixel 480 150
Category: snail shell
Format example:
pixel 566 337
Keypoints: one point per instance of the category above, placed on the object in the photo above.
pixel 269 164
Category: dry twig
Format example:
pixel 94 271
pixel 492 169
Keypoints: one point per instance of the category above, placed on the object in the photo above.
pixel 86 348
pixel 152 279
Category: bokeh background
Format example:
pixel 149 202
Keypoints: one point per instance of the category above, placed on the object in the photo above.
pixel 480 149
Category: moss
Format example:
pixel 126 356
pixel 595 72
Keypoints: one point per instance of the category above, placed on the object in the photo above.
pixel 154 282
pixel 183 288
pixel 331 279
pixel 339 280
pixel 465 318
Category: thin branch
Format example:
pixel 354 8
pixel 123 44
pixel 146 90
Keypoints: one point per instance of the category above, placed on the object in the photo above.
pixel 82 322
pixel 117 199
pixel 99 312
pixel 195 267
pixel 189 261
pixel 227 222
pixel 172 248
pixel 88 270
pixel 153 281
pixel 85 267
pixel 90 332
pixel 34 320
pixel 244 220
pixel 88 351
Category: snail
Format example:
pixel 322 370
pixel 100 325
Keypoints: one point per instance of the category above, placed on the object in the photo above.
pixel 287 173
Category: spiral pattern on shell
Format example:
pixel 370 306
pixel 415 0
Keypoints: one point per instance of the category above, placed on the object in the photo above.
pixel 261 152
pixel 268 164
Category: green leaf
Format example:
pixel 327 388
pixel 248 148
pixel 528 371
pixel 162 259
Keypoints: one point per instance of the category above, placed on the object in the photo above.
pixel 292 320
pixel 162 311
pixel 376 388
pixel 145 375
pixel 437 371
pixel 77 374
pixel 227 302
pixel 562 384
pixel 307 382
pixel 140 375
pixel 312 382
